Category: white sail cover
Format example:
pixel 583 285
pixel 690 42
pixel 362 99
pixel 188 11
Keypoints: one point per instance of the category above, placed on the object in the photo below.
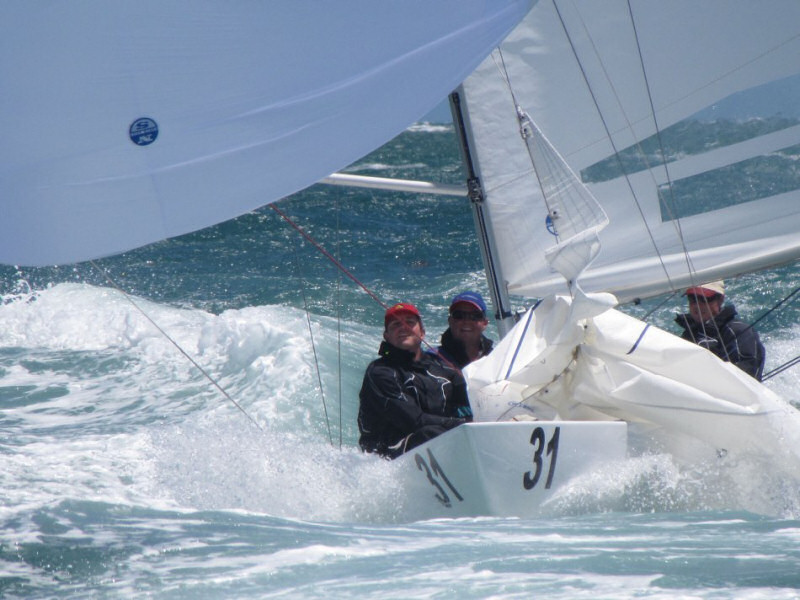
pixel 719 80
pixel 124 123
pixel 581 360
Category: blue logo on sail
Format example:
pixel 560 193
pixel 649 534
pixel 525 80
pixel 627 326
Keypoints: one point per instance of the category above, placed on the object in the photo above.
pixel 551 226
pixel 143 131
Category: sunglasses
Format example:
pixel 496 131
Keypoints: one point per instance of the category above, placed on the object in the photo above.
pixel 702 299
pixel 462 315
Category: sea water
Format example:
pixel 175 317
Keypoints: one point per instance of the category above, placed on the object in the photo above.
pixel 127 474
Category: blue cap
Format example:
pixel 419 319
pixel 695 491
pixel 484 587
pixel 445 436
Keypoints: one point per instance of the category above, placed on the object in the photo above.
pixel 473 298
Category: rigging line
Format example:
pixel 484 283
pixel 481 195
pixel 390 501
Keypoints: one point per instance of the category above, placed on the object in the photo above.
pixel 669 205
pixel 339 315
pixel 213 382
pixel 506 77
pixel 659 306
pixel 765 315
pixel 775 307
pixel 313 345
pixel 319 247
pixel 610 139
pixel 518 110
pixel 342 268
pixel 762 317
pixel 780 369
pixel 638 144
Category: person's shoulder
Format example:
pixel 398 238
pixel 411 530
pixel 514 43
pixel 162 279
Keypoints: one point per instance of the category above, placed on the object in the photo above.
pixel 735 323
pixel 382 374
pixel 741 329
pixel 730 316
pixel 380 366
pixel 439 364
pixel 439 354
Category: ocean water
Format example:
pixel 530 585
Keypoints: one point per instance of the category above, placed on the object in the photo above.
pixel 127 474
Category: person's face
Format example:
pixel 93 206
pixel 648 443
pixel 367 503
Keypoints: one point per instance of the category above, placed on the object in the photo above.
pixel 405 331
pixel 467 322
pixel 702 309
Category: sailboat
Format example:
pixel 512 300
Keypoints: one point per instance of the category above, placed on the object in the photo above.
pixel 121 129
pixel 616 151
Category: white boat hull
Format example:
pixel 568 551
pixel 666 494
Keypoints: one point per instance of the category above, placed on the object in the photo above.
pixel 508 468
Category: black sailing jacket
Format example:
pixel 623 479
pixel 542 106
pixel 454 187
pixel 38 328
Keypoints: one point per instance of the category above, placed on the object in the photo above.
pixel 400 395
pixel 727 337
pixel 453 350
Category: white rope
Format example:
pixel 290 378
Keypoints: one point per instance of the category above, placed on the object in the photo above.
pixel 213 382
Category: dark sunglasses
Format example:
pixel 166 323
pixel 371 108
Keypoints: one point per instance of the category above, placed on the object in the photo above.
pixel 462 315
pixel 702 299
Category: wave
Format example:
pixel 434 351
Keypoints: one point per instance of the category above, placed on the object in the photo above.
pixel 427 127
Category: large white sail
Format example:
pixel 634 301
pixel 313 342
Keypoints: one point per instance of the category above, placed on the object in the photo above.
pixel 124 123
pixel 680 117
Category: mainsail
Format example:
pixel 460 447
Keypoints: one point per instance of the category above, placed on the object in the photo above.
pixel 128 122
pixel 680 117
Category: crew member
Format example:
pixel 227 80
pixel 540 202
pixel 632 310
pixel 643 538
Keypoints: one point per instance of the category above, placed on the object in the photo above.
pixel 714 325
pixel 408 396
pixel 464 341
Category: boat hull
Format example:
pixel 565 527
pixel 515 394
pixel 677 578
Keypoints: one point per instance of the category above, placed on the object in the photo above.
pixel 506 469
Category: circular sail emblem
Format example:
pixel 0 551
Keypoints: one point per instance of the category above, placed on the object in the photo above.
pixel 143 131
pixel 551 226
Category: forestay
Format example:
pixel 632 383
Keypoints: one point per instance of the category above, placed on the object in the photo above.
pixel 128 122
pixel 715 193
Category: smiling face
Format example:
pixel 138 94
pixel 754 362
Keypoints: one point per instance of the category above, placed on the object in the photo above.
pixel 467 323
pixel 404 330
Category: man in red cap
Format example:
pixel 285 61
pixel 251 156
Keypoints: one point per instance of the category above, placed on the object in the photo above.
pixel 716 327
pixel 408 396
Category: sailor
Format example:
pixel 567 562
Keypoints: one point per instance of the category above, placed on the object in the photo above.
pixel 408 396
pixel 715 326
pixel 464 341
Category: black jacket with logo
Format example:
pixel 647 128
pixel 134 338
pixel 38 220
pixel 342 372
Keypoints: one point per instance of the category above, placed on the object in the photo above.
pixel 400 395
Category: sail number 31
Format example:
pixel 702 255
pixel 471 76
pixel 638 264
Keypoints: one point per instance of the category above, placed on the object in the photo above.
pixel 542 450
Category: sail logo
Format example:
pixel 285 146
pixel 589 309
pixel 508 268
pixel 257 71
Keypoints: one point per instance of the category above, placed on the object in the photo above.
pixel 143 131
pixel 550 224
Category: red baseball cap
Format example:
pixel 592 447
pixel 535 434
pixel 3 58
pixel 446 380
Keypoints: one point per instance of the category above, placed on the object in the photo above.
pixel 707 290
pixel 400 308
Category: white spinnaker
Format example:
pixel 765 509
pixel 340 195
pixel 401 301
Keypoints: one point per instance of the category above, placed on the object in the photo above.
pixel 252 102
pixel 696 56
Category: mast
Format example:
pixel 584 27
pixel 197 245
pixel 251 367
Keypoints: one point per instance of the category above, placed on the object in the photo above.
pixel 494 275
